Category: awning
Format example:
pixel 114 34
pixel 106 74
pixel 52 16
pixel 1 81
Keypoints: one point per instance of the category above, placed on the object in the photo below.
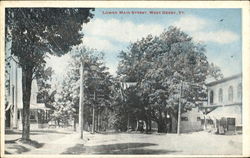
pixel 226 111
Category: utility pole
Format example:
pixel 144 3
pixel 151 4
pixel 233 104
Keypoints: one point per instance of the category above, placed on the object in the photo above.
pixel 93 117
pixel 179 110
pixel 81 99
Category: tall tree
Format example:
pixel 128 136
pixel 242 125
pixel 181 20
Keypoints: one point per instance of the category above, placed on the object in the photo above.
pixel 97 80
pixel 163 64
pixel 63 106
pixel 34 33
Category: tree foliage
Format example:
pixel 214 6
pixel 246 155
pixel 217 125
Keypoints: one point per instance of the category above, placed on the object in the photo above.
pixel 161 66
pixel 35 32
pixel 96 80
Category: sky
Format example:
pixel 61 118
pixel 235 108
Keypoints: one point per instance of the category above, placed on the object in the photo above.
pixel 113 29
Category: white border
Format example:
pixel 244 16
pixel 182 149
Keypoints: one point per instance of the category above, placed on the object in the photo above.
pixel 244 5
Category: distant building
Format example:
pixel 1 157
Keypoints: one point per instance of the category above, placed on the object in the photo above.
pixel 14 101
pixel 191 121
pixel 224 102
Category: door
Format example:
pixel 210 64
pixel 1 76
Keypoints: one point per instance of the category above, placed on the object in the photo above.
pixel 231 124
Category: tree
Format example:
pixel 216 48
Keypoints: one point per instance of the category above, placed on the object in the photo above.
pixel 214 72
pixel 96 80
pixel 34 33
pixel 160 65
pixel 46 93
pixel 63 107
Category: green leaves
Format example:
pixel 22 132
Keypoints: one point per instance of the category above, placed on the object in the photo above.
pixel 96 79
pixel 159 65
pixel 37 31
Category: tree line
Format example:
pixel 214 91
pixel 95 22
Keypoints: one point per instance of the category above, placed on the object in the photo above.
pixel 158 66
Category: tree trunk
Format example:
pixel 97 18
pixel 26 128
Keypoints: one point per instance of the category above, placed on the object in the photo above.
pixel 137 124
pixel 146 123
pixel 75 122
pixel 93 120
pixel 161 123
pixel 97 121
pixel 58 122
pixel 161 127
pixel 128 123
pixel 26 86
pixel 150 120
pixel 170 125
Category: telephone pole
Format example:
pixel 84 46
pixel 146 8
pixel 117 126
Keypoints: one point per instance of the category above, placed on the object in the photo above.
pixel 81 104
pixel 93 116
pixel 179 110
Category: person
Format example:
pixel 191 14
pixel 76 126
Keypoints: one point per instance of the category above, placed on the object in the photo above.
pixel 223 125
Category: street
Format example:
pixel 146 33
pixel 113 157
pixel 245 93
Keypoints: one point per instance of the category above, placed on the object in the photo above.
pixel 197 143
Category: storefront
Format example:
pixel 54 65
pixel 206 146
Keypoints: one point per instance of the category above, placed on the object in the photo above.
pixel 227 119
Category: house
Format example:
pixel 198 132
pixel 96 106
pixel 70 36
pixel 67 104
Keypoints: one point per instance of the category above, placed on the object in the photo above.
pixel 191 121
pixel 224 103
pixel 13 98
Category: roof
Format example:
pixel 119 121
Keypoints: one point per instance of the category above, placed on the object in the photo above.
pixel 219 105
pixel 224 80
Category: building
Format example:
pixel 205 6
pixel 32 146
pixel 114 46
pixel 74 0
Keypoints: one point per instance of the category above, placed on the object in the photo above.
pixel 191 121
pixel 224 104
pixel 13 98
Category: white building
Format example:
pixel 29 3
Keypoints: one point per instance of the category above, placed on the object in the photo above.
pixel 225 101
pixel 14 95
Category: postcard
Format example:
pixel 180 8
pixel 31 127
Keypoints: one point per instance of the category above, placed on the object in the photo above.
pixel 126 78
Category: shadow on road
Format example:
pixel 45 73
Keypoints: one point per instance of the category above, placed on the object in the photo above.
pixel 19 149
pixel 35 132
pixel 119 148
pixel 21 146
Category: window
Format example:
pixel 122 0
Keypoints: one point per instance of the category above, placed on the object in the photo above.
pixel 220 95
pixel 39 98
pixel 211 97
pixel 239 91
pixel 184 119
pixel 231 121
pixel 32 115
pixel 230 93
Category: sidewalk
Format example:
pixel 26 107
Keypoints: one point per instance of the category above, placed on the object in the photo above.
pixel 60 145
pixel 45 141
